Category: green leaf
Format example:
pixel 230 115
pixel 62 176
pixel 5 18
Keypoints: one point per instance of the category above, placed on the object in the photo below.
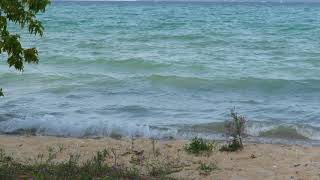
pixel 22 13
pixel 1 93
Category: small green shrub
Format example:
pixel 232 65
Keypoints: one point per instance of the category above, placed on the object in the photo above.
pixel 207 168
pixel 161 168
pixel 199 145
pixel 234 128
pixel 157 169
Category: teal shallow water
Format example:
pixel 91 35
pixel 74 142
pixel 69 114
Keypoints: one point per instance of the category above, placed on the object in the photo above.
pixel 169 69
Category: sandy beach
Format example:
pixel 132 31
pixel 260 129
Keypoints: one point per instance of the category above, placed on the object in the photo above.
pixel 264 161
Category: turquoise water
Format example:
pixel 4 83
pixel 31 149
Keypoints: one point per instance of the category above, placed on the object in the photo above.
pixel 169 70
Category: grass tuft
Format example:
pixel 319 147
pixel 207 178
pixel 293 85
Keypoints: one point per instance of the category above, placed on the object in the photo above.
pixel 206 169
pixel 161 168
pixel 42 169
pixel 199 145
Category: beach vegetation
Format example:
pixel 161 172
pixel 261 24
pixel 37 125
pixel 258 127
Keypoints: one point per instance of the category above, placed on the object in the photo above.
pixel 155 168
pixel 104 164
pixel 21 13
pixel 160 168
pixel 235 131
pixel 206 169
pixel 200 145
pixel 46 168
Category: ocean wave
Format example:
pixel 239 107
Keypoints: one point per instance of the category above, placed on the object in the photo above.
pixel 52 125
pixel 267 85
pixel 285 131
pixel 133 64
pixel 32 78
pixel 185 37
pixel 133 109
pixel 49 125
pixel 69 81
pixel 110 121
pixel 137 64
pixel 179 81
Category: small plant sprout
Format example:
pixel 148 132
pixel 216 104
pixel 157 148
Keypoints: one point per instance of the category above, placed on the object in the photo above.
pixel 235 129
pixel 132 143
pixel 115 156
pixel 155 151
pixel 60 147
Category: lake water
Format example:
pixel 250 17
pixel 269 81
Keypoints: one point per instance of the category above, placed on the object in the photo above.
pixel 160 69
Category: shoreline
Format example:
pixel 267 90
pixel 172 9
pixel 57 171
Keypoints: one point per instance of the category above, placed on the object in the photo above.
pixel 248 139
pixel 256 160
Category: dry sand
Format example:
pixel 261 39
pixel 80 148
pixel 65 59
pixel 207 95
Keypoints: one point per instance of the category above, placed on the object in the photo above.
pixel 256 161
